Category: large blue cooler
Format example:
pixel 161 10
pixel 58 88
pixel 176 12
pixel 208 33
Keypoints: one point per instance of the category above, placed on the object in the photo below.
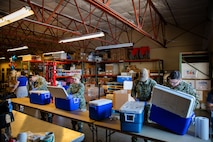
pixel 172 109
pixel 40 97
pixel 132 116
pixel 100 109
pixel 69 104
pixel 63 100
pixel 171 121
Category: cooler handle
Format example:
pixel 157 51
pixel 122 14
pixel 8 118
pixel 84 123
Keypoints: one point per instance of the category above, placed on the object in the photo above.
pixel 75 100
pixel 129 117
pixel 46 96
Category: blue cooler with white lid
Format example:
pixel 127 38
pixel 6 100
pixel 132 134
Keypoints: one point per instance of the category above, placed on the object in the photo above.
pixel 132 116
pixel 63 100
pixel 100 109
pixel 172 109
pixel 40 97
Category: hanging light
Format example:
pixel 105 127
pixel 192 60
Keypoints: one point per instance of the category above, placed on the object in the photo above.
pixel 19 48
pixel 84 37
pixel 114 46
pixel 15 16
pixel 50 53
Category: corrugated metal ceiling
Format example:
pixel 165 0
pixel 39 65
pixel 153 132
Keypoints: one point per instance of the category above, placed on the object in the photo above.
pixel 57 19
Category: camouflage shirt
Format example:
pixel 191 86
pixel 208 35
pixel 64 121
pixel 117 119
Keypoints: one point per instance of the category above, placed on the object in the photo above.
pixel 186 88
pixel 77 90
pixel 40 83
pixel 143 90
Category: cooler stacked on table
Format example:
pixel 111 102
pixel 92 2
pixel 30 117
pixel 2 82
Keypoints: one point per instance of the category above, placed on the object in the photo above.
pixel 63 100
pixel 40 97
pixel 100 109
pixel 132 116
pixel 172 109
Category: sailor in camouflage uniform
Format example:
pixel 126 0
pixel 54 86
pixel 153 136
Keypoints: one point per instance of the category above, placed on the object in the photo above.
pixel 77 90
pixel 40 83
pixel 175 82
pixel 142 90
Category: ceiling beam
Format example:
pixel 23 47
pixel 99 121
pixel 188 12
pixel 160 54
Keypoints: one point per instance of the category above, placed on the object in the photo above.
pixel 107 9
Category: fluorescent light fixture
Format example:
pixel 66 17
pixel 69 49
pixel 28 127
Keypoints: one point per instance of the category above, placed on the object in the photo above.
pixel 1 58
pixel 15 16
pixel 87 36
pixel 114 46
pixel 50 53
pixel 24 55
pixel 19 48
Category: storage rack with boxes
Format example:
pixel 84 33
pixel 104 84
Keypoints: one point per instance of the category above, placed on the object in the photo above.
pixel 33 65
pixel 196 70
pixel 61 70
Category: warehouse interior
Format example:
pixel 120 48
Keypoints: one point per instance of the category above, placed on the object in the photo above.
pixel 170 31
pixel 168 26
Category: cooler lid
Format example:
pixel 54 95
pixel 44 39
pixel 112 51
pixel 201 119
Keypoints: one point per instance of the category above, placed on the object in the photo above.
pixel 58 92
pixel 39 92
pixel 132 107
pixel 100 102
pixel 174 101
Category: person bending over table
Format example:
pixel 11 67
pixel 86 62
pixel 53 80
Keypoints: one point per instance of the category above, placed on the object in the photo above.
pixel 39 83
pixel 142 91
pixel 77 90
pixel 175 82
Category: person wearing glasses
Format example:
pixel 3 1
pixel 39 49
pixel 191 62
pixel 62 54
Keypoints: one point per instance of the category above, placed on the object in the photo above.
pixel 175 82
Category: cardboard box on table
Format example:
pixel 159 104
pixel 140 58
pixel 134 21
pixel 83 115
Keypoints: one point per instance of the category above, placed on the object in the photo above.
pixel 40 97
pixel 132 116
pixel 100 109
pixel 122 96
pixel 63 100
pixel 172 109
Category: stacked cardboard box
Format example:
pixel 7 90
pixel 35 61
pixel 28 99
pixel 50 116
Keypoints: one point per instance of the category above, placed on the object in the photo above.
pixel 111 69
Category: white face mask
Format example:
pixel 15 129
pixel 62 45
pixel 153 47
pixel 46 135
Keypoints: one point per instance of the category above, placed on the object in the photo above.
pixel 174 82
pixel 76 80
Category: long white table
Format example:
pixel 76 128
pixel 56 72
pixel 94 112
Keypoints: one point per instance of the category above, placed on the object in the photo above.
pixel 148 132
pixel 26 123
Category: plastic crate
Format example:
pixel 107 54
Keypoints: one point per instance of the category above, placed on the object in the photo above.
pixel 121 79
